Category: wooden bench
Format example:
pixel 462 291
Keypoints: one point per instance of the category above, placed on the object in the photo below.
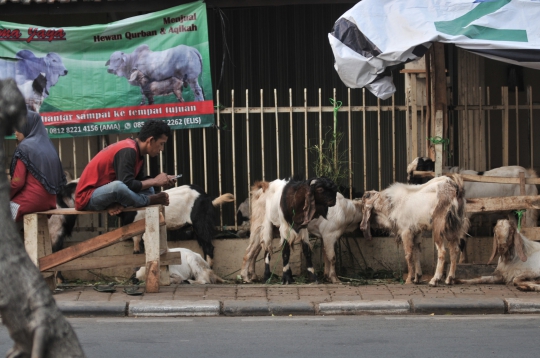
pixel 38 245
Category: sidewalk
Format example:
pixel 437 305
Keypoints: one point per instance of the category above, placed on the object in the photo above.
pixel 322 299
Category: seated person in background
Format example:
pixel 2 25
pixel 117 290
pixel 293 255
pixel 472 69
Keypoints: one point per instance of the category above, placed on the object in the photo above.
pixel 36 171
pixel 114 178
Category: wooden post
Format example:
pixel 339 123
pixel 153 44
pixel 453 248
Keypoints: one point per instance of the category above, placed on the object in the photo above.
pixel 152 248
pixel 438 147
pixel 37 226
pixel 440 102
pixel 164 277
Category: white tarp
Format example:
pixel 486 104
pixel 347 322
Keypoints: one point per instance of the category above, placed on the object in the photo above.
pixel 375 35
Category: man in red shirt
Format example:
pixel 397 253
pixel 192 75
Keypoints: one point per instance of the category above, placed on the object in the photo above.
pixel 114 178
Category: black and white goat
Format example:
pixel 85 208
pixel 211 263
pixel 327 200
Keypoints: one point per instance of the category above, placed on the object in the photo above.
pixel 61 226
pixel 519 259
pixel 188 205
pixel 408 210
pixel 193 269
pixel 289 205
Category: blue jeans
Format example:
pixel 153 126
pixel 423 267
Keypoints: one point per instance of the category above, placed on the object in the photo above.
pixel 117 192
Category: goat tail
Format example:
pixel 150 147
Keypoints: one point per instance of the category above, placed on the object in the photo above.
pixel 449 218
pixel 225 198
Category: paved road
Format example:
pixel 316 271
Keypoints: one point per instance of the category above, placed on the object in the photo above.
pixel 339 336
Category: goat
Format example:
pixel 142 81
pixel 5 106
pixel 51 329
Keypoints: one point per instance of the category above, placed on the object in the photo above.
pixel 61 226
pixel 150 89
pixel 192 269
pixel 519 259
pixel 407 210
pixel 188 205
pixel 343 217
pixel 289 205
pixel 484 190
pixel 242 218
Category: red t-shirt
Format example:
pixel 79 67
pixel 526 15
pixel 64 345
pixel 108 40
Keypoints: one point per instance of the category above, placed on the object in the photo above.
pixel 119 161
pixel 28 192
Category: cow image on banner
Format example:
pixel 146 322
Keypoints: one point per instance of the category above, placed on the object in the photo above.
pixel 110 78
pixel 181 63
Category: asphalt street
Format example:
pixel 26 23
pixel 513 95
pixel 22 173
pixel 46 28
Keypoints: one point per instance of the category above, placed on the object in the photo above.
pixel 311 336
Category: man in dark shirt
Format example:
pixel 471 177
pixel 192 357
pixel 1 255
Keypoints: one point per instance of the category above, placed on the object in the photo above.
pixel 114 180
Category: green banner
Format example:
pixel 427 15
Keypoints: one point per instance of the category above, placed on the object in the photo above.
pixel 107 79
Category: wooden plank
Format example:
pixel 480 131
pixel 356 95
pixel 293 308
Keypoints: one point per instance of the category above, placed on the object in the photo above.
pixel 152 276
pixel 532 233
pixel 94 244
pixel 483 205
pixel 89 263
pixel 71 211
pixel 481 178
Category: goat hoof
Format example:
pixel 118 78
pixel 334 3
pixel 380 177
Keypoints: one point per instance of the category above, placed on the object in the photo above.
pixel 450 280
pixel 135 252
pixel 433 283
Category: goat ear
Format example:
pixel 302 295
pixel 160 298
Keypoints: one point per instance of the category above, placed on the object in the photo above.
pixel 309 207
pixel 494 252
pixel 365 226
pixel 518 246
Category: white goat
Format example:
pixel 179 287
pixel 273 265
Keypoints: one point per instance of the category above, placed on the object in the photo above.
pixel 192 269
pixel 519 261
pixel 407 210
pixel 343 217
pixel 485 190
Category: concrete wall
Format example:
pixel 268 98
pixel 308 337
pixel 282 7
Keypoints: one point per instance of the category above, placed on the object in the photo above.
pixel 381 253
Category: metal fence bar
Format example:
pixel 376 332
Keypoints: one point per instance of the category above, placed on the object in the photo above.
pixel 349 142
pixel 364 163
pixel 233 155
pixel 262 138
pixel 531 126
pixel 277 132
pixel 291 136
pixel 306 144
pixel 379 156
pixel 220 179
pixel 517 126
pixel 247 157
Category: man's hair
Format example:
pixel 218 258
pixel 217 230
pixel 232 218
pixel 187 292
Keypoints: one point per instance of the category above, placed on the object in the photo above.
pixel 154 128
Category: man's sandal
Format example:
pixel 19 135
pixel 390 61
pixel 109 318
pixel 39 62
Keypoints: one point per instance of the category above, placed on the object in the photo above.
pixel 105 288
pixel 133 291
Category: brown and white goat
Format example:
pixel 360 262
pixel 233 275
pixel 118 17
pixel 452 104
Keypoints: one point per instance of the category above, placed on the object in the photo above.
pixel 288 205
pixel 408 210
pixel 150 88
pixel 519 259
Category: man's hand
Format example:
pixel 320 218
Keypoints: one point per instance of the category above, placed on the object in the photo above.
pixel 164 180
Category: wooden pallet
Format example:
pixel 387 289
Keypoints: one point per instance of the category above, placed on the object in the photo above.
pixel 38 245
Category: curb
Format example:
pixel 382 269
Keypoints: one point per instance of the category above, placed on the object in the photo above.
pixel 265 308
pixel 365 307
pixel 481 305
pixel 89 308
pixel 523 305
pixel 170 308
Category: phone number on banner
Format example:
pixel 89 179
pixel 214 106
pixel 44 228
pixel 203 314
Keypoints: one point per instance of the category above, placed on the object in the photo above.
pixel 116 127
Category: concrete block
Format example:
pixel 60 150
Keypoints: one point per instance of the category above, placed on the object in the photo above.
pixel 172 308
pixel 92 309
pixel 523 305
pixel 365 307
pixel 246 308
pixel 480 305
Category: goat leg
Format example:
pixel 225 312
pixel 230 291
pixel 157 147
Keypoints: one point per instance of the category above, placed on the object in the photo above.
pixel 523 283
pixel 454 253
pixel 267 270
pixel 441 253
pixel 479 280
pixel 307 254
pixel 287 272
